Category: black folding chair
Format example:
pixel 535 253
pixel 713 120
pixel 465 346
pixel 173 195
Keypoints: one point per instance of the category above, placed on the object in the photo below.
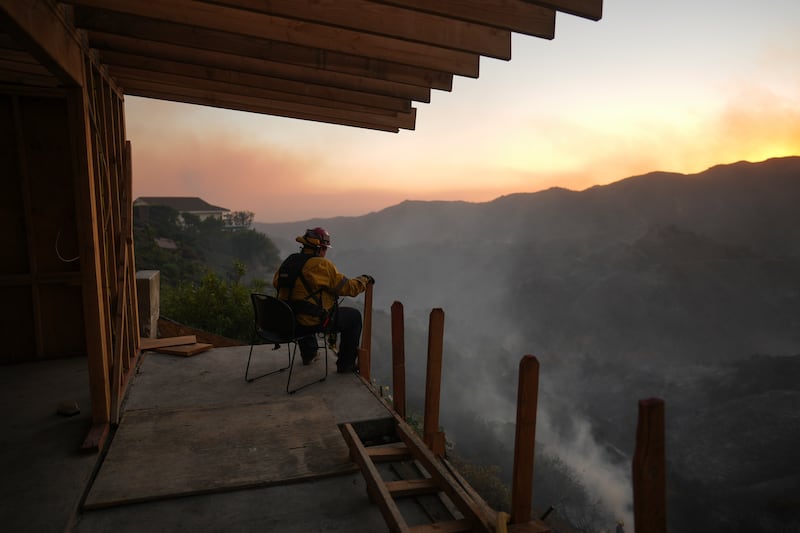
pixel 274 322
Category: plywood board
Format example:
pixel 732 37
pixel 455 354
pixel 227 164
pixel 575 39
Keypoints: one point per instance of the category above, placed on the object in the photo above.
pixel 151 344
pixel 186 350
pixel 159 454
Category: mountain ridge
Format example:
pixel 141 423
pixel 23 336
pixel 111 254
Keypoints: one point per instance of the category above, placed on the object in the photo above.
pixel 622 210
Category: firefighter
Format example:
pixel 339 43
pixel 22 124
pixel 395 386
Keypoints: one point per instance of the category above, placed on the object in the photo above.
pixel 312 285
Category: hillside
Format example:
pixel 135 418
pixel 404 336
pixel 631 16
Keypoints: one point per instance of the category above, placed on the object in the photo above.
pixel 685 287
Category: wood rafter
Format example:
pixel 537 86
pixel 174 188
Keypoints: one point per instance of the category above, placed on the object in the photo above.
pixel 350 62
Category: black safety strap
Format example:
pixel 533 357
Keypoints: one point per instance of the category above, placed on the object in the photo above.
pixel 289 271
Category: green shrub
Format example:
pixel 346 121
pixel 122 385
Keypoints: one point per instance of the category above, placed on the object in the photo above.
pixel 213 304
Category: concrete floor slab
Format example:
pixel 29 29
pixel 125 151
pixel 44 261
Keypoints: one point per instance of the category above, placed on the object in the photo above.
pixel 45 476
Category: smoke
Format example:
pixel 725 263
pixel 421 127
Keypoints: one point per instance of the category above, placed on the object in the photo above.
pixel 606 481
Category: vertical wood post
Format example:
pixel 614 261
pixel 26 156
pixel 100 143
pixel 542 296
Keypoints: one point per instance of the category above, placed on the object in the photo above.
pixel 364 363
pixel 398 360
pixel 649 469
pixel 434 438
pixel 94 293
pixel 524 441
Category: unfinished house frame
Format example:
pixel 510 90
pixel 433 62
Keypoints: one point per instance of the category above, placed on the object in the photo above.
pixel 67 281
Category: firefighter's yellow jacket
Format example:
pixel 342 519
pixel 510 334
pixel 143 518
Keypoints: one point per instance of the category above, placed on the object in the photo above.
pixel 321 273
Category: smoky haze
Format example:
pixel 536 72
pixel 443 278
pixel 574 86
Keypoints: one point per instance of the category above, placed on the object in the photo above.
pixel 665 285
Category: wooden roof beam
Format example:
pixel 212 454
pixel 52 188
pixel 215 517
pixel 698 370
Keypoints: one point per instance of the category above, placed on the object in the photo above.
pixel 514 15
pixel 589 9
pixel 258 49
pixel 189 95
pixel 389 21
pixel 227 82
pixel 247 23
pixel 126 46
pixel 47 35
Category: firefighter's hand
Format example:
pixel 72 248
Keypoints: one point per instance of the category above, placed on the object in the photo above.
pixel 369 280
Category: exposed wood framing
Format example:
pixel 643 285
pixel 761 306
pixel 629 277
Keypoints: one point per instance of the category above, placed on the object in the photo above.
pixel 285 57
pixel 71 140
pixel 47 36
pixel 95 306
pixel 516 15
pixel 263 26
pixel 113 205
pixel 66 66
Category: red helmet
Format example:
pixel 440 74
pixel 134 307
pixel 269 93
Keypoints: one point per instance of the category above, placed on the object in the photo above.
pixel 317 238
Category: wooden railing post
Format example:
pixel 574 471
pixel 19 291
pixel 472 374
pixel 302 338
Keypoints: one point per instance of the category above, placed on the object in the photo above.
pixel 365 352
pixel 649 469
pixel 398 360
pixel 434 438
pixel 524 441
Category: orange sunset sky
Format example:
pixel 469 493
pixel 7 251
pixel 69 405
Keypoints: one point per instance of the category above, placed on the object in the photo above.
pixel 673 85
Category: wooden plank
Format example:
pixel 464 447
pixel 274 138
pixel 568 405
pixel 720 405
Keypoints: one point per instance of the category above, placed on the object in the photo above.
pixel 514 15
pixel 186 350
pixel 391 513
pixel 258 25
pixel 253 86
pixel 159 453
pixel 468 507
pixel 451 526
pixel 204 40
pixel 590 9
pixel 124 50
pixel 486 510
pixel 411 487
pixel 47 37
pixel 280 89
pixel 190 94
pixel 151 344
pixel 388 453
pixel 374 18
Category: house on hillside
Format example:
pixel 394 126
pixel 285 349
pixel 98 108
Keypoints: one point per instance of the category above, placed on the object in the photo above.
pixel 184 204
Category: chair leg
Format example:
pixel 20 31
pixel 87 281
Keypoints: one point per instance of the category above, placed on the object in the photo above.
pixel 247 369
pixel 291 366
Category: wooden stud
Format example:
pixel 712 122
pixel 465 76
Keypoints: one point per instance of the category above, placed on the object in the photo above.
pixel 525 439
pixel 649 469
pixel 366 333
pixel 433 383
pixel 94 304
pixel 398 360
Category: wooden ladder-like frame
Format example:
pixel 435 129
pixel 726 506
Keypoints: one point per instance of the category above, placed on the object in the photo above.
pixel 476 514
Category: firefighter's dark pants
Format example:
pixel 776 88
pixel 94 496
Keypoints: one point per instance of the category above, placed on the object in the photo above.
pixel 347 323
